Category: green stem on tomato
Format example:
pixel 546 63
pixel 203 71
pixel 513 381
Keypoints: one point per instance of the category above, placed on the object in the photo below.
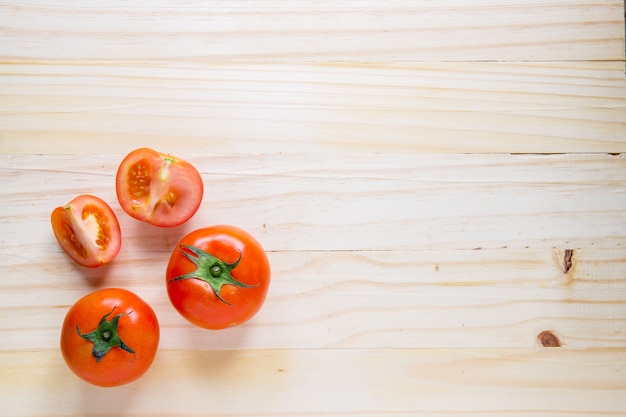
pixel 105 336
pixel 211 270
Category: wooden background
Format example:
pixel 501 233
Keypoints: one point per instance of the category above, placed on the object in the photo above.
pixel 440 187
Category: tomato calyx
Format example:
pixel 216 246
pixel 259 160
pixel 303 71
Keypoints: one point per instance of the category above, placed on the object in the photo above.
pixel 105 336
pixel 211 270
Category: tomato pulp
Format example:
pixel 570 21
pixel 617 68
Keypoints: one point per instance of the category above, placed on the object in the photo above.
pixel 87 230
pixel 157 188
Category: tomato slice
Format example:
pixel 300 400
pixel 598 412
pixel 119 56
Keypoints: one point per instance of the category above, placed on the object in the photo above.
pixel 158 188
pixel 87 230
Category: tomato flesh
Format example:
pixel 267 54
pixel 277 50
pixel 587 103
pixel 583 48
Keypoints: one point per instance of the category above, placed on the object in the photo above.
pixel 87 230
pixel 116 317
pixel 157 188
pixel 218 277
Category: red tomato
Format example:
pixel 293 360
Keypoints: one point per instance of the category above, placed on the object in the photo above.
pixel 110 337
pixel 157 188
pixel 87 230
pixel 218 277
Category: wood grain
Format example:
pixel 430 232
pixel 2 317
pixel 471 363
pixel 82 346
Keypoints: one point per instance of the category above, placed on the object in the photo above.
pixel 357 202
pixel 336 382
pixel 443 299
pixel 368 251
pixel 84 107
pixel 440 187
pixel 251 31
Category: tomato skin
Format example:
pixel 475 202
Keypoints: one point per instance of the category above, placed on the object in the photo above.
pixel 138 329
pixel 196 301
pixel 87 230
pixel 157 188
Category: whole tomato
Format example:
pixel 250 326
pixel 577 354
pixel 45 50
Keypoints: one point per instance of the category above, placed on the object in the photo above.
pixel 110 337
pixel 87 230
pixel 157 188
pixel 218 276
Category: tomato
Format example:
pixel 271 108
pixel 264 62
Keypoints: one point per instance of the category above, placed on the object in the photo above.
pixel 157 188
pixel 218 277
pixel 87 230
pixel 110 337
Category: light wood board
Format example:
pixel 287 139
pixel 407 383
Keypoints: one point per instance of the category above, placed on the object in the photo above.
pixel 440 188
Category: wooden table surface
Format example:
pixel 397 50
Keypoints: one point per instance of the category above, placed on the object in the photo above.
pixel 440 188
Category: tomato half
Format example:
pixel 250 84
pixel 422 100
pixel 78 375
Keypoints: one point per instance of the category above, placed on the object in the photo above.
pixel 110 337
pixel 157 188
pixel 87 230
pixel 218 276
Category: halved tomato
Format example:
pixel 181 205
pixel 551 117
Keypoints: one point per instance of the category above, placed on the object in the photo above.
pixel 87 230
pixel 157 188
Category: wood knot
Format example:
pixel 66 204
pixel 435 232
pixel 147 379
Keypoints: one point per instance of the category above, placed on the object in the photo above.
pixel 565 263
pixel 567 260
pixel 548 339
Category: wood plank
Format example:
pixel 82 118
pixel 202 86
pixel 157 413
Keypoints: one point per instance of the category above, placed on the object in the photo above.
pixel 427 299
pixel 498 298
pixel 398 30
pixel 352 202
pixel 321 108
pixel 304 382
